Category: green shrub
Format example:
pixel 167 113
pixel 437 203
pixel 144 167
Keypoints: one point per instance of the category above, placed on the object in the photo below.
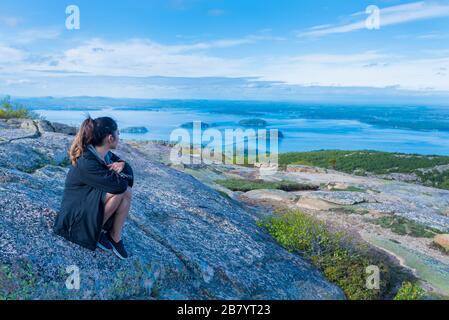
pixel 8 110
pixel 369 161
pixel 410 291
pixel 363 162
pixel 404 226
pixel 340 259
pixel 248 185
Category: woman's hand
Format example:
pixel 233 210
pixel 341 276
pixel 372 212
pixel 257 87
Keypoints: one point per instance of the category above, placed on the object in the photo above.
pixel 117 166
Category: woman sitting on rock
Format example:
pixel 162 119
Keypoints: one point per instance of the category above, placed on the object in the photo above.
pixel 97 195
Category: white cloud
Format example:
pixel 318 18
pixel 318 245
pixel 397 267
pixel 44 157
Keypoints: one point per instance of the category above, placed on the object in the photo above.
pixel 29 36
pixel 142 58
pixel 361 70
pixel 32 35
pixel 145 58
pixel 9 55
pixel 388 16
pixel 340 58
pixel 434 36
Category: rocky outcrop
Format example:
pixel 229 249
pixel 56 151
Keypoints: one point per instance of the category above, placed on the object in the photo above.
pixel 339 197
pixel 354 204
pixel 47 126
pixel 442 240
pixel 187 241
pixel 13 129
pixel 270 195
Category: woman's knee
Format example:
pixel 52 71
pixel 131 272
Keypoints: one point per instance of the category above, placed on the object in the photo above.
pixel 128 194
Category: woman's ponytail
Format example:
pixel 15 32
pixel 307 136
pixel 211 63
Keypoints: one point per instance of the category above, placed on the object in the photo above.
pixel 83 138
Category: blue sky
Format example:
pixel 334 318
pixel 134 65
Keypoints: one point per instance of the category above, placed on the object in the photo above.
pixel 226 49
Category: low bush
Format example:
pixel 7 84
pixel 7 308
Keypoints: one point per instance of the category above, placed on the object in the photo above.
pixel 410 291
pixel 8 110
pixel 404 226
pixel 342 260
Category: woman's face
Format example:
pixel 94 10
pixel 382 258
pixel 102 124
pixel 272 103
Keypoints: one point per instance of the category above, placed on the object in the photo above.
pixel 113 140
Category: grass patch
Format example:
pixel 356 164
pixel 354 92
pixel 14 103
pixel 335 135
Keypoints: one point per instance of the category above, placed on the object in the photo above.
pixel 9 110
pixel 248 185
pixel 341 260
pixel 16 281
pixel 404 226
pixel 410 291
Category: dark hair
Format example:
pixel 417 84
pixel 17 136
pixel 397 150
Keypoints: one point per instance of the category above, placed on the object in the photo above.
pixel 91 132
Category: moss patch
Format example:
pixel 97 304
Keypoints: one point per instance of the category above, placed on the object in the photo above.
pixel 248 185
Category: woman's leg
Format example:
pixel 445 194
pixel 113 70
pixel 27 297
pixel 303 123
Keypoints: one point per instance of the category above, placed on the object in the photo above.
pixel 119 205
pixel 120 217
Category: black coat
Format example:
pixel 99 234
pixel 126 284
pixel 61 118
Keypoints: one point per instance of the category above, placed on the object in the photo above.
pixel 80 219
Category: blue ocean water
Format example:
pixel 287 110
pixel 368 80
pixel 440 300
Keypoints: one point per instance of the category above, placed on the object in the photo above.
pixel 405 129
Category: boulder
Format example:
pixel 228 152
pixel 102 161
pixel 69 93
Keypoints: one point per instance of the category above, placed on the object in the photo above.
pixel 20 123
pixel 47 126
pixel 337 186
pixel 28 124
pixel 314 204
pixel 64 129
pixel 442 240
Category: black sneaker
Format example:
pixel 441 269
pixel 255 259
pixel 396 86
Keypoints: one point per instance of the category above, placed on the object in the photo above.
pixel 118 248
pixel 104 243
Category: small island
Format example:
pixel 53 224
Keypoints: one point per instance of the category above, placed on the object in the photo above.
pixel 189 125
pixel 253 123
pixel 135 130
